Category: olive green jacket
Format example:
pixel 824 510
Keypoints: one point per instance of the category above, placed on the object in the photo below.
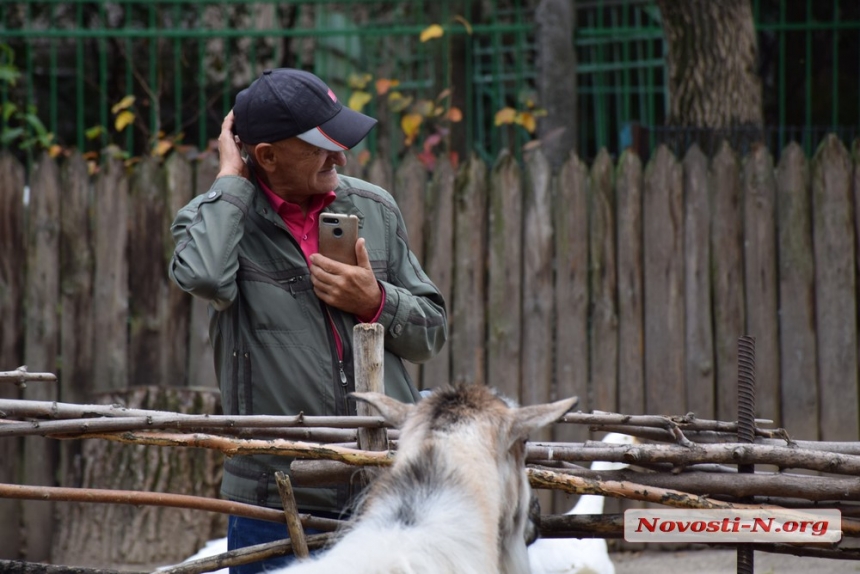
pixel 275 353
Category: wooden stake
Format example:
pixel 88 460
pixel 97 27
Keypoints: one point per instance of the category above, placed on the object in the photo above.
pixel 291 513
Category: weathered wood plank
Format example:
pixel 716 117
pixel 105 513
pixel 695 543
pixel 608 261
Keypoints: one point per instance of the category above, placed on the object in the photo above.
pixel 41 343
pixel 699 335
pixel 468 314
pixel 631 291
pixel 410 186
pixel 12 275
pixel 663 238
pixel 538 297
pixel 439 261
pixel 603 347
pixel 178 191
pixel 409 190
pixel 147 276
pixel 726 277
pixel 76 281
pixel 76 295
pixel 798 344
pixel 379 173
pixel 110 232
pixel 835 290
pixel 504 281
pixel 760 280
pixel 571 292
pixel 201 357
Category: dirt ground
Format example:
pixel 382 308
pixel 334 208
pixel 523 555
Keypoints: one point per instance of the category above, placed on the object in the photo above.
pixel 725 562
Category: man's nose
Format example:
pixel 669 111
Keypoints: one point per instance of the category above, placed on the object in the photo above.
pixel 337 157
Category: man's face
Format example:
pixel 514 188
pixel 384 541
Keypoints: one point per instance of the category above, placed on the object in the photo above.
pixel 305 169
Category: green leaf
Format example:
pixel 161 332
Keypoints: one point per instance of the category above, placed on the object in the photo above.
pixel 7 136
pixel 9 74
pixel 94 132
pixel 36 124
pixel 8 110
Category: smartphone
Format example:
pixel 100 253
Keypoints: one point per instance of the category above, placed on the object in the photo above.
pixel 338 234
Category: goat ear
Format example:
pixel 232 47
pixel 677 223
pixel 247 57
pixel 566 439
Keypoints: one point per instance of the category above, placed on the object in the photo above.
pixel 529 419
pixel 393 411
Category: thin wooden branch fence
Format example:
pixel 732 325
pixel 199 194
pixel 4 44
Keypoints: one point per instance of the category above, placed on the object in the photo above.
pixel 689 479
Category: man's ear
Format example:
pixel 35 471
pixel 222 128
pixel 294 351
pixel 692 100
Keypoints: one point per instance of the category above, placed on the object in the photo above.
pixel 264 157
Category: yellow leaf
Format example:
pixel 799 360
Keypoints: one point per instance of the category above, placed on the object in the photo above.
pixel 55 150
pixel 443 94
pixel 358 81
pixel 465 23
pixel 384 84
pixel 123 104
pixel 432 31
pixel 398 102
pixel 455 115
pixel 358 100
pixel 527 120
pixel 424 107
pixel 124 118
pixel 410 124
pixel 162 147
pixel 505 116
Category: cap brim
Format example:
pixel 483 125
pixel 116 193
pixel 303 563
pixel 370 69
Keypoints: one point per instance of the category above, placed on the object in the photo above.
pixel 341 132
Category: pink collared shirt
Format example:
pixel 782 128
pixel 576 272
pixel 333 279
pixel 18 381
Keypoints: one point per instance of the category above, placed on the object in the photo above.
pixel 305 228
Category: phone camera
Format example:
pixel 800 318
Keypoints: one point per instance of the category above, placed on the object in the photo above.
pixel 337 232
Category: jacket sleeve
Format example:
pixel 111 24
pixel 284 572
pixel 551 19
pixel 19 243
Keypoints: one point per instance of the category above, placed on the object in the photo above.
pixel 207 232
pixel 414 315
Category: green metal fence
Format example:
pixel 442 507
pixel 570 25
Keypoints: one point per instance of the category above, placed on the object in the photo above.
pixel 809 53
pixel 184 61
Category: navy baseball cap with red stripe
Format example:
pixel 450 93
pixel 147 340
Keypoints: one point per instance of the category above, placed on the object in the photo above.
pixel 285 102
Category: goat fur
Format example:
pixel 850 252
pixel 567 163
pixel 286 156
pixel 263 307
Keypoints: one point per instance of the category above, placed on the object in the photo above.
pixel 457 497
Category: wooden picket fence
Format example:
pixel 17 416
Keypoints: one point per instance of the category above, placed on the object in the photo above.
pixel 625 285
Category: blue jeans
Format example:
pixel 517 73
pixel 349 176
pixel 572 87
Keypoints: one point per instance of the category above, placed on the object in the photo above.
pixel 242 532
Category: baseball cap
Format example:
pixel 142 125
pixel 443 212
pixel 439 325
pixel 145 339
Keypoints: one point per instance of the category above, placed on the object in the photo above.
pixel 285 102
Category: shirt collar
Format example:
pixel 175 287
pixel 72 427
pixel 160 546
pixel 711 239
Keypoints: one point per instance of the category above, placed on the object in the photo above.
pixel 292 211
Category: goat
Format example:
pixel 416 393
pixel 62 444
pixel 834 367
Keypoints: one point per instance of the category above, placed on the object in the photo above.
pixel 457 497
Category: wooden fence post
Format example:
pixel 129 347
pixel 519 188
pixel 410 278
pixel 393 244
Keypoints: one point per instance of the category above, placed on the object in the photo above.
pixel 835 290
pixel 726 276
pixel 603 281
pixel 368 342
pixel 12 269
pixel 439 260
pixel 798 344
pixel 699 325
pixel 631 330
pixel 760 277
pixel 467 316
pixel 663 232
pixel 41 343
pixel 504 278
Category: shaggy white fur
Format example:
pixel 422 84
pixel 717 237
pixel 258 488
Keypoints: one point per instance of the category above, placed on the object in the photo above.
pixel 456 499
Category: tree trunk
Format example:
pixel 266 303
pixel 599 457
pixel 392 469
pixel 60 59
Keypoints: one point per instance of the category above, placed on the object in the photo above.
pixel 712 61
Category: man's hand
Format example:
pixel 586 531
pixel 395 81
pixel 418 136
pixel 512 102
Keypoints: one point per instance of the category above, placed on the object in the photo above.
pixel 350 288
pixel 230 150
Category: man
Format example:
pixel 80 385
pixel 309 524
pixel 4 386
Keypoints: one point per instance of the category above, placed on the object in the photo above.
pixel 282 315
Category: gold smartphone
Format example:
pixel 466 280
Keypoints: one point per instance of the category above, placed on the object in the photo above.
pixel 338 234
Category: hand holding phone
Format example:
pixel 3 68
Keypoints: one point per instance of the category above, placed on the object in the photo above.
pixel 337 236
